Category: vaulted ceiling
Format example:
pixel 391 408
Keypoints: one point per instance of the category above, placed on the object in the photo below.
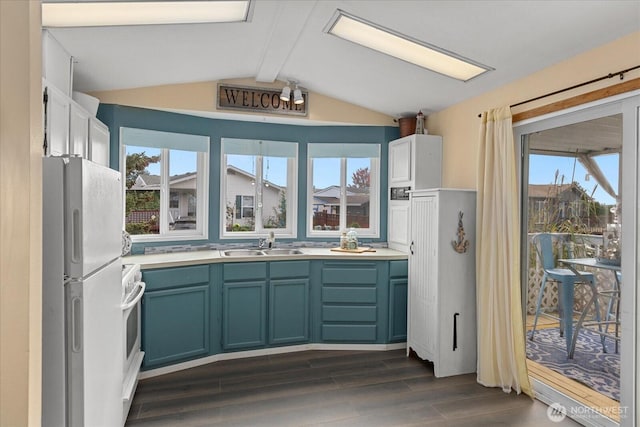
pixel 286 40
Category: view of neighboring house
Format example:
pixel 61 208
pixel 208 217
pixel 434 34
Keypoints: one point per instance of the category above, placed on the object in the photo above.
pixel 326 207
pixel 241 200
pixel 240 196
pixel 182 200
pixel 551 205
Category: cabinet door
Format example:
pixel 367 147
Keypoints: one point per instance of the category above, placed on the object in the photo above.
pixel 244 313
pixel 175 325
pixel 78 130
pixel 398 309
pixel 98 142
pixel 56 122
pixel 400 161
pixel 399 224
pixel 422 334
pixel 288 311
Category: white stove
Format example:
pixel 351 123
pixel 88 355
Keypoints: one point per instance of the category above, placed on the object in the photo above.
pixel 131 275
pixel 132 291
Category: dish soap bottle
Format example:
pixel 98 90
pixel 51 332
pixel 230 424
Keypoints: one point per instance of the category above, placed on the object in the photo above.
pixel 352 239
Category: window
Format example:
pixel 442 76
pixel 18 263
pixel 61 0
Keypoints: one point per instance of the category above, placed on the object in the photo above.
pixel 259 179
pixel 166 179
pixel 343 188
pixel 244 207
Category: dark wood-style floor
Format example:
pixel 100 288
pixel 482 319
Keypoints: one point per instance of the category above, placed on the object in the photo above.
pixel 328 388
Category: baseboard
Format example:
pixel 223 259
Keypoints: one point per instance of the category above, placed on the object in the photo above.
pixel 266 352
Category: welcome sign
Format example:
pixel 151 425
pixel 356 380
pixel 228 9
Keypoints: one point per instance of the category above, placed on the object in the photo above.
pixel 259 100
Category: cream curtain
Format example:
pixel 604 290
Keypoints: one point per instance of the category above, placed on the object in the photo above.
pixel 501 342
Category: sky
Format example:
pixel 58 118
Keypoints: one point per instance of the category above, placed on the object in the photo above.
pixel 326 171
pixel 542 170
pixel 181 161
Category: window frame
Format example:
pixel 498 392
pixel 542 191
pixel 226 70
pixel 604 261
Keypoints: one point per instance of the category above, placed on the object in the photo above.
pixel 291 231
pixel 373 232
pixel 201 232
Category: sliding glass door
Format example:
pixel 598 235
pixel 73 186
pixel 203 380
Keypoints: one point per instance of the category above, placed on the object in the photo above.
pixel 577 166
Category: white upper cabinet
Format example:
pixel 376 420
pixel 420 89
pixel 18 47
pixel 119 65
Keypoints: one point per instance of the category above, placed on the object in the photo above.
pixel 56 116
pixel 57 64
pixel 69 125
pixel 98 142
pixel 78 130
pixel 416 161
pixel 400 161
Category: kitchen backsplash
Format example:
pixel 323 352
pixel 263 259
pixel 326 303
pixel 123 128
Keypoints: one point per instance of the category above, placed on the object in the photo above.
pixel 225 246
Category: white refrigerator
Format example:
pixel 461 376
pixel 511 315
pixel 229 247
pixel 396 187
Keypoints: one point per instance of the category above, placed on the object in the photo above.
pixel 82 278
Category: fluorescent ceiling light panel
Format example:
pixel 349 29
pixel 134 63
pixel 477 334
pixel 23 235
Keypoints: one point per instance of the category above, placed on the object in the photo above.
pixel 114 13
pixel 373 36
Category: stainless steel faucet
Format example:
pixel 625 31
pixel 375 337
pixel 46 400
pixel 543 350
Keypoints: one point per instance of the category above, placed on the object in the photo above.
pixel 262 243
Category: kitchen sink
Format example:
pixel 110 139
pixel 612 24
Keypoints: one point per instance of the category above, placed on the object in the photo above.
pixel 260 252
pixel 243 252
pixel 282 251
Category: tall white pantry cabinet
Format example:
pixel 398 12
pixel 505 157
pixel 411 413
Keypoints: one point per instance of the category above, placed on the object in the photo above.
pixel 415 163
pixel 441 308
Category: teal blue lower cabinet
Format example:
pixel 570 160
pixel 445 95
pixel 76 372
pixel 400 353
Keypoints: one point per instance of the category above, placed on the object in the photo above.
pixel 398 309
pixel 244 313
pixel 265 304
pixel 398 288
pixel 351 301
pixel 197 311
pixel 176 325
pixel 288 311
pixel 176 315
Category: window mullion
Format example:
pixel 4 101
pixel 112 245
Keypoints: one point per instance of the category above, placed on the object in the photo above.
pixel 200 191
pixel 259 190
pixel 343 193
pixel 164 191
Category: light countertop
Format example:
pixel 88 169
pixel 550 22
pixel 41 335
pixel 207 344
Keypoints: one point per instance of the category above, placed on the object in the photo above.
pixel 179 259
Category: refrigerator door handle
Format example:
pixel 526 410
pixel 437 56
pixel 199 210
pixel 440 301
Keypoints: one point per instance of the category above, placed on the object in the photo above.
pixel 76 237
pixel 76 324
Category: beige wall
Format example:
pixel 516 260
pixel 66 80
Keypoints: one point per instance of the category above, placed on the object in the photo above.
pixel 21 207
pixel 459 125
pixel 201 97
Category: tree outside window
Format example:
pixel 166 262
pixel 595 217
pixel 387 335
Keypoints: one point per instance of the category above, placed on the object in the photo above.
pixel 343 188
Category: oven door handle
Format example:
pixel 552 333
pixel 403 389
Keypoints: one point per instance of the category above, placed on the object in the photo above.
pixel 141 287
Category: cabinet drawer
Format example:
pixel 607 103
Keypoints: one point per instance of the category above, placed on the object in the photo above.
pixel 398 268
pixel 245 271
pixel 285 269
pixel 365 276
pixel 349 313
pixel 349 332
pixel 351 294
pixel 175 277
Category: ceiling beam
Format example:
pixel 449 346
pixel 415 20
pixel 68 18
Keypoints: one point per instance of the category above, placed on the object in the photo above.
pixel 287 26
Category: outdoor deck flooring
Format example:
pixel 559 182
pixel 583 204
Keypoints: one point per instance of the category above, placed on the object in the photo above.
pixel 577 391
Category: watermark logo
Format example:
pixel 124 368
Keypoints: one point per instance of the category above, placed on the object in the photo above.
pixel 556 412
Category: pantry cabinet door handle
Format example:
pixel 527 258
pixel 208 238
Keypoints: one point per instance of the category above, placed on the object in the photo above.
pixel 455 331
pixel 411 248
